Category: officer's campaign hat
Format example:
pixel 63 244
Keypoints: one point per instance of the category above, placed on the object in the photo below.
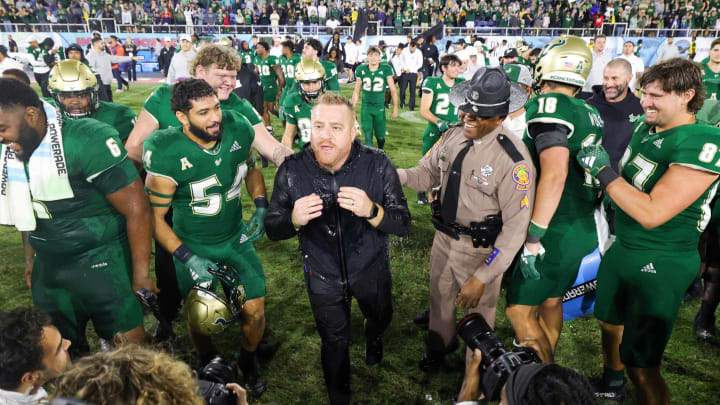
pixel 488 94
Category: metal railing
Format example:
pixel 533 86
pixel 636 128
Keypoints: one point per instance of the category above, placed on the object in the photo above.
pixel 374 28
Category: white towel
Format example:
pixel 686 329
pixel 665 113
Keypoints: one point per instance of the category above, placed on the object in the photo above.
pixel 48 176
pixel 15 204
pixel 47 166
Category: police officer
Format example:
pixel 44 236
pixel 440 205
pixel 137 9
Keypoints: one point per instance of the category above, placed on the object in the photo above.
pixel 484 207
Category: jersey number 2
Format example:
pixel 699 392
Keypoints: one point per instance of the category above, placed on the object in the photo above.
pixel 375 85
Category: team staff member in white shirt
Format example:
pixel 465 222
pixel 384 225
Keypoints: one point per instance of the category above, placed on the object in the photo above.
pixel 600 60
pixel 180 62
pixel 638 67
pixel 410 64
pixel 7 62
pixel 350 59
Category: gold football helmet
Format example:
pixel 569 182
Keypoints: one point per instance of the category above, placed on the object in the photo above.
pixel 521 46
pixel 309 71
pixel 566 59
pixel 70 78
pixel 209 313
pixel 225 41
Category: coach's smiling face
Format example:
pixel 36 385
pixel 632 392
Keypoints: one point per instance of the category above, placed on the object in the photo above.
pixel 18 129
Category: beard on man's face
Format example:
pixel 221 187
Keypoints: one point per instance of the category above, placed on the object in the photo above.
pixel 203 134
pixel 29 140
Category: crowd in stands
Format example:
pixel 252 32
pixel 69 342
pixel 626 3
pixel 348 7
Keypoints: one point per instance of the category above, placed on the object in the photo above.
pixel 136 16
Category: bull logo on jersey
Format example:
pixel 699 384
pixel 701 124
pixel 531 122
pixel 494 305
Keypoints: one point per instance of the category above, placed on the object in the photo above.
pixel 521 177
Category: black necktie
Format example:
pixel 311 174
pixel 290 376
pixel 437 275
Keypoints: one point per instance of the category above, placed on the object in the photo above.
pixel 448 212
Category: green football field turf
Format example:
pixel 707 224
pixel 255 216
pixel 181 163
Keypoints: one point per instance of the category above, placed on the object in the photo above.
pixel 294 375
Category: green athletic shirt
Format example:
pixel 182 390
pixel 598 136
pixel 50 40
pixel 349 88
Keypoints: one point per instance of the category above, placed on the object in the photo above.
pixel 711 83
pixel 206 205
pixel 158 105
pixel 331 75
pixel 268 77
pixel 288 68
pixel 297 112
pixel 709 113
pixel 580 192
pixel 247 57
pixel 441 106
pixel 374 83
pixel 97 165
pixel 118 116
pixel 646 160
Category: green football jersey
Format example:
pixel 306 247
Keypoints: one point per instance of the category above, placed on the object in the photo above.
pixel 331 75
pixel 709 113
pixel 441 106
pixel 580 192
pixel 711 83
pixel 206 205
pixel 247 57
pixel 268 77
pixel 648 156
pixel 158 105
pixel 118 116
pixel 374 83
pixel 297 112
pixel 288 68
pixel 97 165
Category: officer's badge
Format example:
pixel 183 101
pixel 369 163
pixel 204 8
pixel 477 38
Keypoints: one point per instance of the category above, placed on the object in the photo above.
pixel 486 170
pixel 521 177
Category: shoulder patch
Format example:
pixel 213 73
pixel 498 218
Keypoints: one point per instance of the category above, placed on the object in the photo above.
pixel 510 148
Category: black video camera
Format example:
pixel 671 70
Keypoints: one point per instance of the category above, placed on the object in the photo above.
pixel 213 378
pixel 498 362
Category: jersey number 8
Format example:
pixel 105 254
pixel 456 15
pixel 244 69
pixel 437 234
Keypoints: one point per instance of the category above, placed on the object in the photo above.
pixel 305 129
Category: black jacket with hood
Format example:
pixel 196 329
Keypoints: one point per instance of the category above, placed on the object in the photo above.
pixel 338 245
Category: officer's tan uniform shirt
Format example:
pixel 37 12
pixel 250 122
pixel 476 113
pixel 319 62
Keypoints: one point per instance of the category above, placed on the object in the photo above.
pixel 491 183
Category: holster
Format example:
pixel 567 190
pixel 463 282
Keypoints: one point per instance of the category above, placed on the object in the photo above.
pixel 483 233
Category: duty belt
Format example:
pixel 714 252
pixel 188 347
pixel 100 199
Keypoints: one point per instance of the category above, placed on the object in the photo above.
pixel 482 233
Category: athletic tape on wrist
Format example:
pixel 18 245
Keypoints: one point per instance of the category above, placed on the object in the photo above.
pixel 606 176
pixel 535 233
pixel 183 253
pixel 261 202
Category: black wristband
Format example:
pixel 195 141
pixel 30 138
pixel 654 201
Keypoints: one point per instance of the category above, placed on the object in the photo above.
pixel 183 254
pixel 606 176
pixel 261 202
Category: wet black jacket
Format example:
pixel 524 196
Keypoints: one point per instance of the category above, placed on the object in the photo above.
pixel 338 243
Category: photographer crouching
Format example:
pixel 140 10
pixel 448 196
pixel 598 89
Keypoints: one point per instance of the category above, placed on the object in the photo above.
pixel 133 374
pixel 517 377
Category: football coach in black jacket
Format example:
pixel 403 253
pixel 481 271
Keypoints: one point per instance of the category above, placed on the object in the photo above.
pixel 342 199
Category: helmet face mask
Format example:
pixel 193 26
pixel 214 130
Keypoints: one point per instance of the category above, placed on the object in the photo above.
pixel 310 96
pixel 310 71
pixel 566 60
pixel 71 79
pixel 208 313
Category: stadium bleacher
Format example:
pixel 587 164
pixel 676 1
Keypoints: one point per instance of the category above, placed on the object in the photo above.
pixel 384 16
